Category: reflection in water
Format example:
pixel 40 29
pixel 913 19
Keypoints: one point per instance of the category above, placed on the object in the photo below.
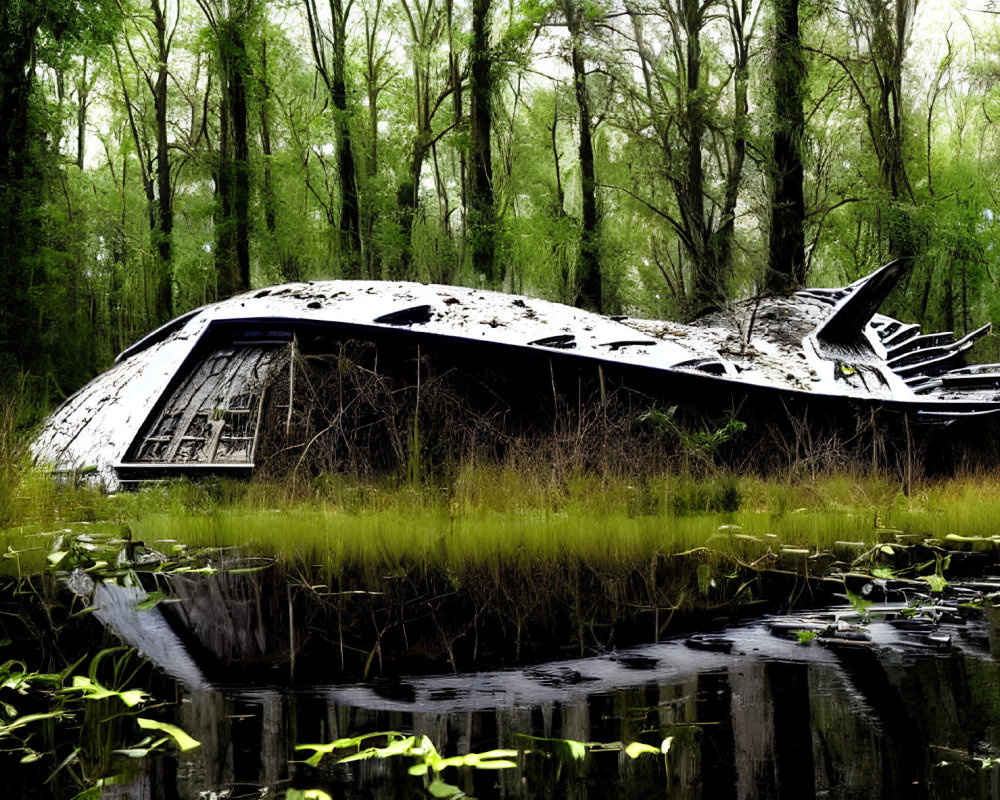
pixel 770 718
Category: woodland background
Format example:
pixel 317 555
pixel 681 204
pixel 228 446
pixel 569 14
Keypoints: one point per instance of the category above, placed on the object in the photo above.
pixel 654 157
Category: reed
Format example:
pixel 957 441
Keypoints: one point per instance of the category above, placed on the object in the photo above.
pixel 487 515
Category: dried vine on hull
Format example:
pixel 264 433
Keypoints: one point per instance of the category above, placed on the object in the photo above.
pixel 365 410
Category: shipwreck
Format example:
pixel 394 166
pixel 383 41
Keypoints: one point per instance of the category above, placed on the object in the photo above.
pixel 190 397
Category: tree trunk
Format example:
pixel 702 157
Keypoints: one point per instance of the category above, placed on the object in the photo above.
pixel 164 193
pixel 373 67
pixel 241 165
pixel 20 335
pixel 457 119
pixel 350 227
pixel 482 214
pixel 83 98
pixel 270 202
pixel 890 46
pixel 225 272
pixel 786 257
pixel 233 234
pixel 706 277
pixel 588 266
pixel 288 261
pixel 949 298
pixel 406 203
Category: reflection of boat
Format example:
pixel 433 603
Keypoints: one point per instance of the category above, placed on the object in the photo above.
pixel 229 626
pixel 187 398
pixel 770 718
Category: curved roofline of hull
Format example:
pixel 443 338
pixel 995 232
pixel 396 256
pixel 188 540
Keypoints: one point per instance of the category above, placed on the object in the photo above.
pixel 838 357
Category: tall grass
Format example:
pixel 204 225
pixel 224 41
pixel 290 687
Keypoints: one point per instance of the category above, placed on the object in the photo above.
pixel 506 515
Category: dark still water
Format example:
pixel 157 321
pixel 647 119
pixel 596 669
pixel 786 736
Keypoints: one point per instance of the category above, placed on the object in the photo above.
pixel 905 705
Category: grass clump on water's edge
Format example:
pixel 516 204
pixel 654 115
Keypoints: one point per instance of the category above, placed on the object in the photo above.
pixel 487 515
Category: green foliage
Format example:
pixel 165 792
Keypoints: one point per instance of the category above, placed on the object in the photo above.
pixel 712 495
pixel 91 709
pixel 859 603
pixel 184 741
pixel 805 637
pixel 707 441
pixel 78 247
pixel 428 764
pixel 480 515
pixel 574 750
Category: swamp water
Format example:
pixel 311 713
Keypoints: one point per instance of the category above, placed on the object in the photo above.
pixel 871 700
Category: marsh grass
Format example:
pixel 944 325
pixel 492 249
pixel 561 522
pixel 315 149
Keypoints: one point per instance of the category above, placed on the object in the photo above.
pixel 501 516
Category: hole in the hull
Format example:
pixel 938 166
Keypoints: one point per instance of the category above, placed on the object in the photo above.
pixel 407 316
pixel 565 341
pixel 629 343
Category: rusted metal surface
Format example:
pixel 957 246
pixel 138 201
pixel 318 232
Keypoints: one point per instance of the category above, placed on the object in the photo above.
pixel 188 395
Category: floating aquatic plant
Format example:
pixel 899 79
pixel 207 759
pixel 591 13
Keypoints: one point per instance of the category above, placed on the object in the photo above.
pixel 183 740
pixel 70 699
pixel 429 763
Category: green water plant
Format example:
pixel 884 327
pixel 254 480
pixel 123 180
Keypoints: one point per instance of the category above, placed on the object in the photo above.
pixel 860 604
pixel 182 739
pixel 429 763
pixel 16 678
pixel 578 750
pixel 90 689
pixel 86 715
pixel 937 581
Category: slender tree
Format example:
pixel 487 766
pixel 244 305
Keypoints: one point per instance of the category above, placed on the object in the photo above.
pixel 589 265
pixel 424 24
pixel 329 47
pixel 19 189
pixel 84 87
pixel 881 33
pixel 232 23
pixel 378 75
pixel 678 100
pixel 157 35
pixel 30 32
pixel 786 240
pixel 482 214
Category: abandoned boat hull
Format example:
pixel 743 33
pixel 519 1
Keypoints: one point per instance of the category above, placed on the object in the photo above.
pixel 186 399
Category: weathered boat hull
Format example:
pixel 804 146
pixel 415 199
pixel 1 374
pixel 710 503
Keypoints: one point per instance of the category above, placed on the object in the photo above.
pixel 187 399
